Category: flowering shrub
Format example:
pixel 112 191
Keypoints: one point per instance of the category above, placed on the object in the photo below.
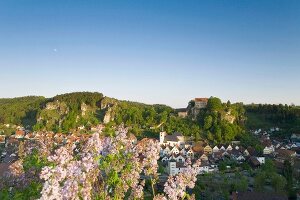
pixel 107 168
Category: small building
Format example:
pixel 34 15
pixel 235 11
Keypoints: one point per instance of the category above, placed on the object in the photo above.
pixel 204 168
pixel 182 112
pixel 201 103
pixel 172 140
pixel 229 148
pixel 215 149
pixel 204 157
pixel 261 160
pixel 253 161
pixel 268 150
pixel 208 149
pixel 2 139
pixel 20 134
pixel 175 167
pixel 295 137
pixel 285 154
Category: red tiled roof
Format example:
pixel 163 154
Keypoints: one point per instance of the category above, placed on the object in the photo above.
pixel 20 132
pixel 201 99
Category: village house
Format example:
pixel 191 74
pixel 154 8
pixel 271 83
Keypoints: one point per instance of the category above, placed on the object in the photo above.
pixel 204 157
pixel 261 160
pixel 215 149
pixel 254 162
pixel 268 147
pixel 172 140
pixel 250 151
pixel 204 168
pixel 164 150
pixel 175 150
pixel 174 167
pixel 268 150
pixel 229 148
pixel 295 137
pixel 284 154
pixel 208 149
pixel 190 153
pixel 20 134
pixel 222 148
pixel 167 150
pixel 297 150
pixel 237 155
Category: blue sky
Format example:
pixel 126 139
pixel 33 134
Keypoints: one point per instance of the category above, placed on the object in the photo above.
pixel 152 51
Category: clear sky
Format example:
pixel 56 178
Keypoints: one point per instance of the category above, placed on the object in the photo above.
pixel 163 51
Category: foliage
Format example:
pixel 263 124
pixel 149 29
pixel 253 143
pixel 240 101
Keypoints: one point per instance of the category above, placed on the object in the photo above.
pixel 20 111
pixel 248 140
pixel 144 118
pixel 227 162
pixel 288 174
pixel 142 115
pixel 219 186
pixel 70 111
pixel 221 123
pixel 271 115
pixel 185 126
pixel 34 160
pixel 75 99
pixel 214 104
pixel 267 175
pixel 32 191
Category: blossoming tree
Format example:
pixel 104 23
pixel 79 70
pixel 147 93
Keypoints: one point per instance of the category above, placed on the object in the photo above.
pixel 111 168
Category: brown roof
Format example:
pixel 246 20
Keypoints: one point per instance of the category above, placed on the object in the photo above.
pixel 198 147
pixel 2 138
pixel 285 152
pixel 267 143
pixel 20 132
pixel 254 162
pixel 251 151
pixel 201 99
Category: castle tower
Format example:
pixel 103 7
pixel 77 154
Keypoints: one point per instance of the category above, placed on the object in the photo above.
pixel 162 137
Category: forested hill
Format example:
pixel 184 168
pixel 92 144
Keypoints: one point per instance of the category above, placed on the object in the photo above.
pixel 266 116
pixel 218 123
pixel 82 110
pixel 20 110
pixel 68 112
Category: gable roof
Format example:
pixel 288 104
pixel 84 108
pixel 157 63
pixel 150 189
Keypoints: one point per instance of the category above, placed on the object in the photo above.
pixel 253 161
